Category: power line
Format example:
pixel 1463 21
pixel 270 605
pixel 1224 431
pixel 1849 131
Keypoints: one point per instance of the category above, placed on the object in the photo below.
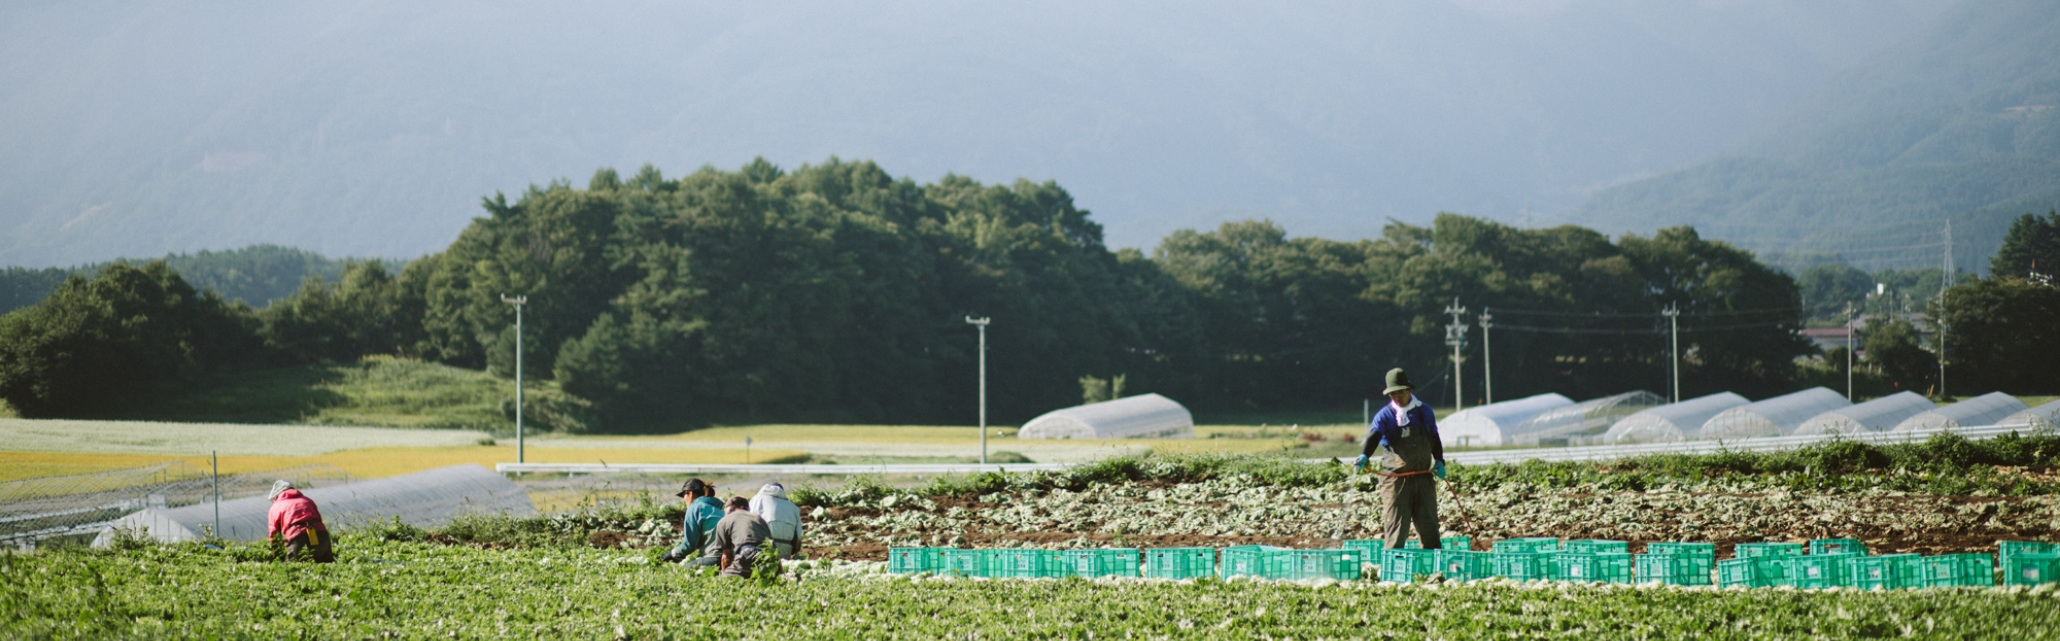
pixel 1720 312
pixel 1627 332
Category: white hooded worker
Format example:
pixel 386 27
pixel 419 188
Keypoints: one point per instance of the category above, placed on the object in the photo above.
pixel 782 516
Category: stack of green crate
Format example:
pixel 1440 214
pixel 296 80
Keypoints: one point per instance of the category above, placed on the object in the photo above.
pixel 1334 563
pixel 1595 546
pixel 913 560
pixel 1528 544
pixel 1778 551
pixel 1957 570
pixel 1752 571
pixel 1179 563
pixel 1099 562
pixel 1026 564
pixel 1465 565
pixel 2029 562
pixel 1370 549
pixel 1612 567
pixel 966 562
pixel 1449 542
pixel 1677 563
pixel 1886 571
pixel 1819 570
pixel 1402 566
pixel 1837 546
pixel 1523 566
pixel 1244 560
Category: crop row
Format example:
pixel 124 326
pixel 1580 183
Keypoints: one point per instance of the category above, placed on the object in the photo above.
pixel 412 590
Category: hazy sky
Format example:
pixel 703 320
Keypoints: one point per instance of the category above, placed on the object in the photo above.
pixel 374 127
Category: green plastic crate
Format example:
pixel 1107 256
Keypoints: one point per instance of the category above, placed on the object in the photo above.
pixel 1466 565
pixel 1596 546
pixel 1333 563
pixel 1026 564
pixel 1451 542
pixel 1776 549
pixel 1244 560
pixel 1751 571
pixel 1676 569
pixel 1523 566
pixel 1676 547
pixel 1179 563
pixel 1528 545
pixel 2031 569
pixel 1887 571
pixel 913 560
pixel 1612 567
pixel 1099 562
pixel 1402 566
pixel 967 562
pixel 1819 570
pixel 2007 549
pixel 1837 546
pixel 1370 547
pixel 1957 570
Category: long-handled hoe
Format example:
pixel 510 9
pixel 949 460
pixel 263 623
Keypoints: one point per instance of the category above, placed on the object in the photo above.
pixel 1345 512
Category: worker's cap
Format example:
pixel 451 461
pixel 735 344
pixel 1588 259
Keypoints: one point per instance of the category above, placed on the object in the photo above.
pixel 692 486
pixel 281 486
pixel 1398 380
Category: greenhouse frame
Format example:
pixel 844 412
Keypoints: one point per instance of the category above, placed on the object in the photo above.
pixel 1495 423
pixel 1142 416
pixel 1878 415
pixel 1777 416
pixel 424 499
pixel 1586 417
pixel 1677 422
pixel 2043 417
pixel 1986 409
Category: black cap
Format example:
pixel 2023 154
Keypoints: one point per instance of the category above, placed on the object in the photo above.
pixel 692 486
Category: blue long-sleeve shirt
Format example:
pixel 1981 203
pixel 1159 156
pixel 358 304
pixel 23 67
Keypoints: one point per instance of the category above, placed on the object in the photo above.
pixel 698 525
pixel 1383 430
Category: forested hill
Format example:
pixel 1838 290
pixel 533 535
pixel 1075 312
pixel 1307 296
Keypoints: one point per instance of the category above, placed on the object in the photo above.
pixel 257 275
pixel 1962 123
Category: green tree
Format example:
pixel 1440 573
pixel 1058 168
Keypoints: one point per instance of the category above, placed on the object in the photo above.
pixel 1895 349
pixel 2001 335
pixel 2033 244
pixel 366 312
pixel 92 343
pixel 1828 289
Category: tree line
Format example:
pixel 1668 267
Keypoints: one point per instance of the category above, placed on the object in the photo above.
pixel 837 293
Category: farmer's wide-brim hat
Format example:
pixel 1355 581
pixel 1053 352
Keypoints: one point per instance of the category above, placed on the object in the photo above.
pixel 1398 380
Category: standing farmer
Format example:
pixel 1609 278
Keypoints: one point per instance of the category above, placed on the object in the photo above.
pixel 1408 430
pixel 294 519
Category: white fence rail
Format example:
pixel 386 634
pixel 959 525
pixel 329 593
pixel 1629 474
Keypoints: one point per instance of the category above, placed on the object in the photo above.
pixel 1477 457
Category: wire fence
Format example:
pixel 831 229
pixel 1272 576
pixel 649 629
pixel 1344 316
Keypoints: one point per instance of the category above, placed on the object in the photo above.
pixel 73 505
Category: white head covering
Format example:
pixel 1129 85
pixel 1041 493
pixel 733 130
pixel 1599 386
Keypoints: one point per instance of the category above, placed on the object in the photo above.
pixel 281 486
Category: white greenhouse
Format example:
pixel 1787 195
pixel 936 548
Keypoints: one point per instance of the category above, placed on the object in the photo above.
pixel 1777 416
pixel 1587 417
pixel 423 499
pixel 1143 416
pixel 1986 409
pixel 2043 417
pixel 1676 422
pixel 1495 423
pixel 1878 415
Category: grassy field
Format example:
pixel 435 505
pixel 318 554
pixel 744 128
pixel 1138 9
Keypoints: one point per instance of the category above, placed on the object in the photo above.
pixel 380 391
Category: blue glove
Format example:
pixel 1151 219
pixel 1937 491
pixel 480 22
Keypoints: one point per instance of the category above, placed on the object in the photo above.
pixel 1359 464
pixel 1438 470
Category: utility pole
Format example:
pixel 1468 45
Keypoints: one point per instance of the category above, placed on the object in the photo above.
pixel 982 323
pixel 518 302
pixel 1941 320
pixel 214 463
pixel 1673 315
pixel 1488 354
pixel 1455 335
pixel 1849 320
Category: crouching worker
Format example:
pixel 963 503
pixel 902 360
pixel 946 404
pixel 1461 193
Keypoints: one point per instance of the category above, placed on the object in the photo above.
pixel 1408 431
pixel 295 520
pixel 741 537
pixel 782 516
pixel 697 529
